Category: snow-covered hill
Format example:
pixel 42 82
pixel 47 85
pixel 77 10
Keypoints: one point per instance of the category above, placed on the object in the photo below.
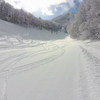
pixel 47 66
pixel 8 29
pixel 64 19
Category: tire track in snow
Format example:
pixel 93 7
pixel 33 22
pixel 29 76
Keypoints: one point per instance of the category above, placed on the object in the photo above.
pixel 90 58
pixel 26 56
pixel 19 57
pixel 37 63
pixel 9 59
pixel 27 67
pixel 90 75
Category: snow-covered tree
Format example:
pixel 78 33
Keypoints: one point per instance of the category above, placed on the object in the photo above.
pixel 86 25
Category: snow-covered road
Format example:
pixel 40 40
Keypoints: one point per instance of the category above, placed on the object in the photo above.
pixel 50 70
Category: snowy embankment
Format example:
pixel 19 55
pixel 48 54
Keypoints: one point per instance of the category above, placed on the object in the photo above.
pixel 62 69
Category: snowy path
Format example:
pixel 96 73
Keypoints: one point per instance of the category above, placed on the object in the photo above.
pixel 50 70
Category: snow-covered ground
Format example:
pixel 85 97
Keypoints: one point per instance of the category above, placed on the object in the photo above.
pixel 50 67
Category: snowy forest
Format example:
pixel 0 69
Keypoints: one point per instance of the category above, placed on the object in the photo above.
pixel 86 25
pixel 25 19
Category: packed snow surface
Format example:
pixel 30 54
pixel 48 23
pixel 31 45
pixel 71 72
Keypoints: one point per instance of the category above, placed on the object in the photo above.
pixel 44 69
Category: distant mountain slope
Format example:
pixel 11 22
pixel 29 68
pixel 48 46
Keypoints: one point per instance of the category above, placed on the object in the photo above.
pixel 65 18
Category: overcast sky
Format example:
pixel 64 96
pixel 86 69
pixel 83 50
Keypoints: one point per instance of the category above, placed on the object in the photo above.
pixel 46 9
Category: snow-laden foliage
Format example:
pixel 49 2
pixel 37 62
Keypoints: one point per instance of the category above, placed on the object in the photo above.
pixel 86 25
pixel 23 18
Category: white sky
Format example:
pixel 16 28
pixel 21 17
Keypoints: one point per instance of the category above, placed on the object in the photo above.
pixel 34 5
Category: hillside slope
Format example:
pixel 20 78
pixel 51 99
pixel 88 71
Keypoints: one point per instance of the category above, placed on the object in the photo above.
pixel 64 19
pixel 9 29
